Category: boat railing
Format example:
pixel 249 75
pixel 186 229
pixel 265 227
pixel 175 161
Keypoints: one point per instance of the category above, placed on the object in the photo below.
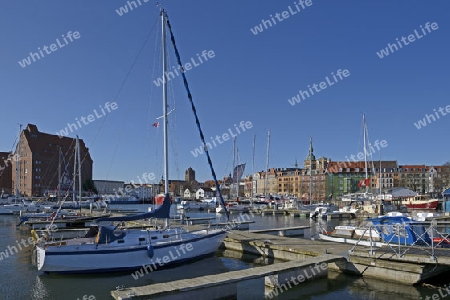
pixel 428 237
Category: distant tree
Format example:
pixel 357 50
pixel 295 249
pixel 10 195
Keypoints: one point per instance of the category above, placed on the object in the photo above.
pixel 88 185
pixel 445 175
pixel 209 184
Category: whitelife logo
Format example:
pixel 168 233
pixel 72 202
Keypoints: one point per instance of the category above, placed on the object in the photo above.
pixel 225 137
pixel 323 85
pixel 187 66
pixel 430 118
pixel 53 47
pixel 411 38
pixel 281 17
pixel 86 120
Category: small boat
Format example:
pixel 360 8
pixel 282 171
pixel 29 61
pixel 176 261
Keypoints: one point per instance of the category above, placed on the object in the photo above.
pixel 425 216
pixel 24 206
pixel 192 205
pixel 420 202
pixel 401 230
pixel 233 207
pixel 385 230
pixel 326 212
pixel 353 235
pixel 5 211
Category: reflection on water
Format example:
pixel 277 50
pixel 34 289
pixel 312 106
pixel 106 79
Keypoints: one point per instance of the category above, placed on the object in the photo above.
pixel 20 280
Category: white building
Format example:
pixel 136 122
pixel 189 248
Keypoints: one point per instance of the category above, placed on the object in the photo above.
pixel 107 187
pixel 200 194
pixel 139 191
pixel 187 194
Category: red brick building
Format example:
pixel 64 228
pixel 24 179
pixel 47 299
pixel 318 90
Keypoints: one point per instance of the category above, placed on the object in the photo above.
pixel 40 159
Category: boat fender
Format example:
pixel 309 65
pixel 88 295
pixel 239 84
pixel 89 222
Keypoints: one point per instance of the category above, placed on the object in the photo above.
pixel 150 251
pixel 34 235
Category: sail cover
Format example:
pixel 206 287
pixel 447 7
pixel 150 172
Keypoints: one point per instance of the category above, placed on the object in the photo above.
pixel 161 212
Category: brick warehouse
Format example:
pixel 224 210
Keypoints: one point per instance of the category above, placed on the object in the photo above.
pixel 5 172
pixel 39 161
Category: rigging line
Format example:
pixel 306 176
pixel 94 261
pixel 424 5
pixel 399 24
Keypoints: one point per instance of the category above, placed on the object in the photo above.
pixel 121 86
pixel 120 89
pixel 47 170
pixel 150 120
pixel 172 38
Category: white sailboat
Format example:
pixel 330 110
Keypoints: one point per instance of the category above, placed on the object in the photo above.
pixel 357 200
pixel 238 170
pixel 118 249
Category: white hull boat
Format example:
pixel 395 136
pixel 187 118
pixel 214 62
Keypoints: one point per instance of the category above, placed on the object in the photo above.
pixel 137 249
pixel 326 237
pixel 192 205
pixel 232 208
pixel 5 211
pixel 353 235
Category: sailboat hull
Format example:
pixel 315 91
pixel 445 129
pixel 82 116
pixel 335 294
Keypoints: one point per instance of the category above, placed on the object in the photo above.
pixel 93 258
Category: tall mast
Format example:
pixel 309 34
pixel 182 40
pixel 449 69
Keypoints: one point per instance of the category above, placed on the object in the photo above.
pixel 164 88
pixel 267 163
pixel 59 174
pixel 18 162
pixel 380 174
pixel 164 70
pixel 74 173
pixel 365 153
pixel 79 172
pixel 253 165
pixel 310 169
pixel 234 168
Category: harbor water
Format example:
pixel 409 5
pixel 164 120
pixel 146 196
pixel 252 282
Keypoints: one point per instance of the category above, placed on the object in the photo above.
pixel 20 279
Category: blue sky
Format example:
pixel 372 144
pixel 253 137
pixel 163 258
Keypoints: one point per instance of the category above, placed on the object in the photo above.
pixel 250 78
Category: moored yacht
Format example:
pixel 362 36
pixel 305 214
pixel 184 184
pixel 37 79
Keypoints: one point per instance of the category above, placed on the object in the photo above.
pixel 420 202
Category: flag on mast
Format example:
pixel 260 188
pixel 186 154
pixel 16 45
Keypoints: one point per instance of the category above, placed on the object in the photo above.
pixel 238 172
pixel 364 183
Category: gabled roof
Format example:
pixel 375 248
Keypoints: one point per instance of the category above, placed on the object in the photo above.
pixel 334 166
pixel 39 140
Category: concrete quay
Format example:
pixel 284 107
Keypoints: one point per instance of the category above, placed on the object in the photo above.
pixel 278 247
pixel 411 266
pixel 302 256
pixel 231 284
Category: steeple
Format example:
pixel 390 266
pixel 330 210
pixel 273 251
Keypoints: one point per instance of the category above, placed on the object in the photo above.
pixel 311 150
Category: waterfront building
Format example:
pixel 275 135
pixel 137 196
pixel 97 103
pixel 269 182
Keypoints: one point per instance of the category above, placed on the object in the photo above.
pixel 424 179
pixel 39 160
pixel 344 177
pixel 6 173
pixel 301 182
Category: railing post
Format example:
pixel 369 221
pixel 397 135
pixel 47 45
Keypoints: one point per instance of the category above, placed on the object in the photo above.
pixel 371 241
pixel 433 224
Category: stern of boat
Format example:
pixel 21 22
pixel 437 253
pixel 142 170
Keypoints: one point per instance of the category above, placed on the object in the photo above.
pixel 40 257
